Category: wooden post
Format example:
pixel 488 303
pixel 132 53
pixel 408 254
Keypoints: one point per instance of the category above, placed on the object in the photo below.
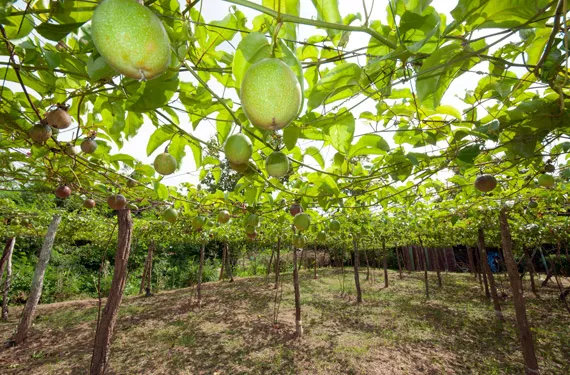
pixel 356 264
pixel 200 271
pixel 297 289
pixel 37 282
pixel 277 263
pixel 385 263
pixel 525 335
pixel 398 259
pixel 487 270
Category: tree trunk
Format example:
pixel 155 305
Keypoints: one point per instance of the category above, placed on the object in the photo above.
pixel 531 271
pixel 270 262
pixel 277 265
pixel 426 274
pixel 471 265
pixel 315 276
pixel 435 258
pixel 229 262
pixel 398 259
pixel 147 274
pixel 356 263
pixel 200 270
pixel 106 326
pixel 367 265
pixel 385 263
pixel 8 251
pixel 477 268
pixel 298 322
pixel 525 335
pixel 224 252
pixel 37 282
pixel 490 277
pixel 8 248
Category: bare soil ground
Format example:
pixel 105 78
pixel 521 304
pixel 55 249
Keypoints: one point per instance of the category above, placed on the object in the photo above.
pixel 395 331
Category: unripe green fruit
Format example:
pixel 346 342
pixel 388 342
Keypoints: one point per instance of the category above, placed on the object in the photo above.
pixel 88 146
pixel 270 94
pixel 322 236
pixel 302 221
pixel 131 38
pixel 223 216
pixel 277 164
pixel 334 226
pixel 165 164
pixel 134 176
pixel 40 133
pixel 249 229
pixel 546 180
pixel 117 202
pixel 198 222
pixel 170 215
pixel 485 183
pixel 532 204
pixel 238 149
pixel 299 241
pixel 253 220
pixel 240 168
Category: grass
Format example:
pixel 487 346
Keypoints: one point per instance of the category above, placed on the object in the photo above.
pixel 395 331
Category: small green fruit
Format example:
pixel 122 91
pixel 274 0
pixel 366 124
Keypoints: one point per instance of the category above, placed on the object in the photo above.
pixel 88 146
pixel 532 204
pixel 546 180
pixel 223 216
pixel 131 38
pixel 299 241
pixel 198 222
pixel 334 225
pixel 277 164
pixel 170 215
pixel 249 229
pixel 322 236
pixel 238 149
pixel 270 94
pixel 165 164
pixel 302 221
pixel 253 220
pixel 40 133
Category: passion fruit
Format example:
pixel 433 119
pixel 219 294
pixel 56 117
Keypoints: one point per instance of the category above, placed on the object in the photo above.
pixel 249 229
pixel 334 225
pixel 253 220
pixel 270 94
pixel 532 204
pixel 89 203
pixel 198 222
pixel 546 180
pixel 131 39
pixel 238 149
pixel 252 235
pixel 322 236
pixel 165 164
pixel 485 183
pixel 40 133
pixel 117 202
pixel 277 164
pixel 302 221
pixel 63 191
pixel 299 241
pixel 549 168
pixel 59 118
pixel 295 209
pixel 88 146
pixel 223 216
pixel 170 215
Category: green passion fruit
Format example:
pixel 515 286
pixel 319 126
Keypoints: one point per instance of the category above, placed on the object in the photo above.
pixel 198 222
pixel 165 164
pixel 249 229
pixel 546 180
pixel 131 38
pixel 238 149
pixel 334 225
pixel 322 236
pixel 532 204
pixel 302 221
pixel 270 94
pixel 253 220
pixel 277 164
pixel 485 183
pixel 117 202
pixel 223 216
pixel 170 215
pixel 299 241
pixel 40 133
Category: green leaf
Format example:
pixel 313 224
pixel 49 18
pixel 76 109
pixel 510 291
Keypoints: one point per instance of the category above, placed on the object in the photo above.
pixel 197 153
pixel 160 135
pixel 251 49
pixel 161 191
pixel 369 144
pixel 468 154
pixel 251 195
pixel 132 124
pixel 97 68
pixel 336 80
pixel 417 30
pixel 314 152
pixel 57 32
pixel 176 149
pixel 17 27
pixel 127 159
pixel 148 95
pixel 224 123
pixel 341 131
pixel 291 7
pixel 327 10
pixel 225 31
pixel 290 136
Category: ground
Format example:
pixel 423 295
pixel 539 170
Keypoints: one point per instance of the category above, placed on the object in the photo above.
pixel 395 331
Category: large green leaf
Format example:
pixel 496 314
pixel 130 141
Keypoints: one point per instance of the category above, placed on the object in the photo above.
pixel 148 95
pixel 56 32
pixel 416 30
pixel 291 7
pixel 342 77
pixel 369 144
pixel 341 131
pixel 327 10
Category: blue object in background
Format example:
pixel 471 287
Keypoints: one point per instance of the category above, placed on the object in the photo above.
pixel 491 256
